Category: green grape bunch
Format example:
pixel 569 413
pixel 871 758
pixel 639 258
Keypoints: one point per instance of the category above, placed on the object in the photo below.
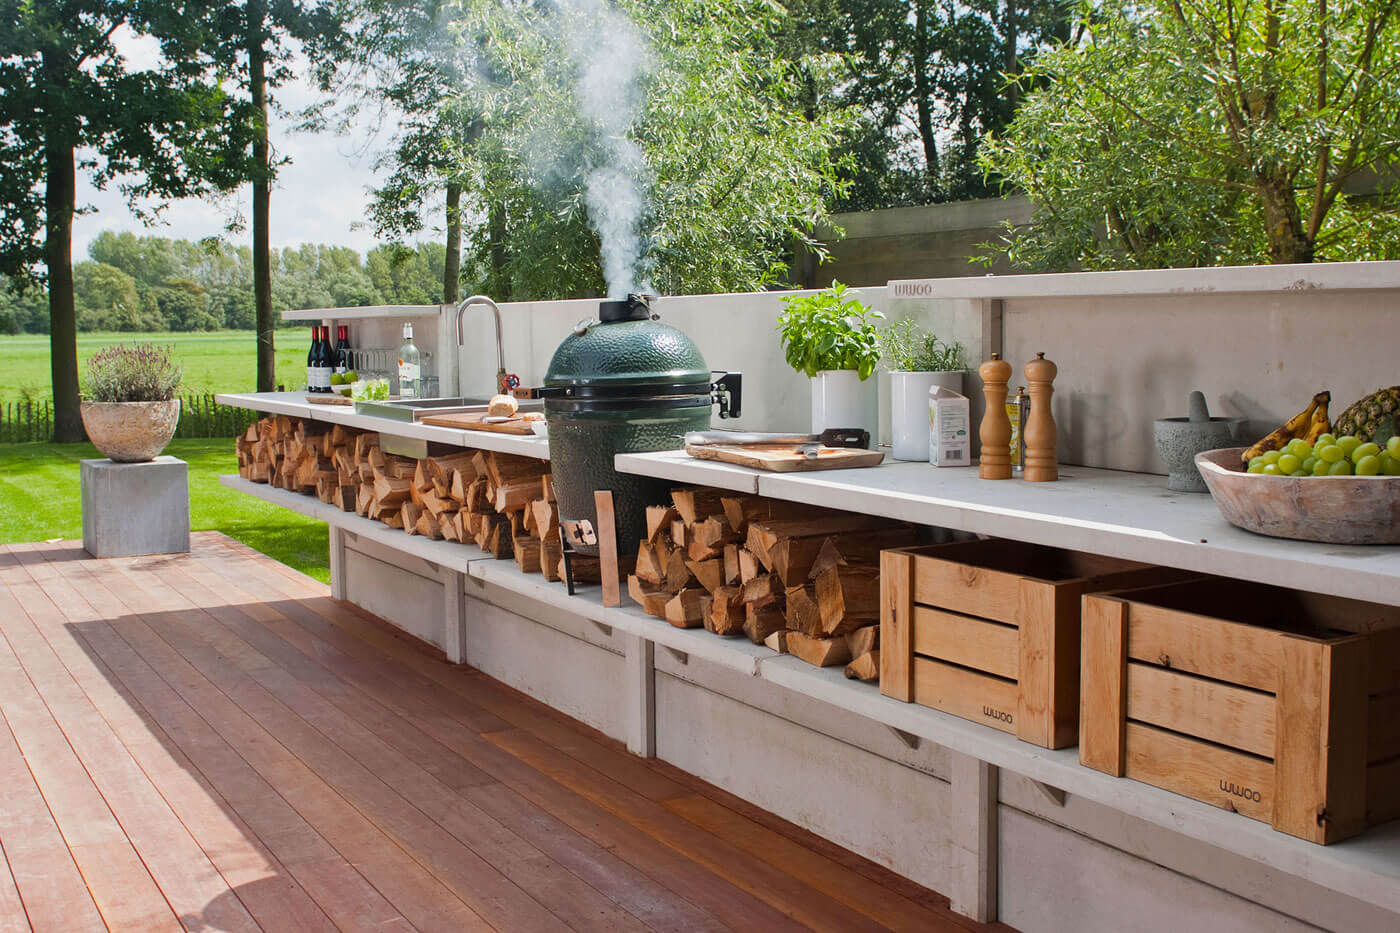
pixel 1330 456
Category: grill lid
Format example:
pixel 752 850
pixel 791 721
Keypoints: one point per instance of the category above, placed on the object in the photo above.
pixel 628 346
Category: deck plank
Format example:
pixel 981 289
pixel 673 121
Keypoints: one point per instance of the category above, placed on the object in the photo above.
pixel 312 768
pixel 251 870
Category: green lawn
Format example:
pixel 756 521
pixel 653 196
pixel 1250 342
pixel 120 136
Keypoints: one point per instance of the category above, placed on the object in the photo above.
pixel 217 361
pixel 39 500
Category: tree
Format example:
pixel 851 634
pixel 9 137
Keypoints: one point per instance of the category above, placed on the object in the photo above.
pixel 254 41
pixel 106 299
pixel 65 88
pixel 184 306
pixel 404 276
pixel 403 55
pixel 1181 134
pixel 698 176
pixel 927 81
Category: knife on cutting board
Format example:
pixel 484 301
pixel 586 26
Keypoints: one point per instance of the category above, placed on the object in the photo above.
pixel 832 437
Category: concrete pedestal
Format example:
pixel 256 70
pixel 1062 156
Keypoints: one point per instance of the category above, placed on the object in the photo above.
pixel 131 509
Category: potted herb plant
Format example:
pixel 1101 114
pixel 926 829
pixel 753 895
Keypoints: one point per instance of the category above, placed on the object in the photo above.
pixel 831 336
pixel 129 407
pixel 917 361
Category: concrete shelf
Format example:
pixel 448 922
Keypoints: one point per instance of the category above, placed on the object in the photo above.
pixel 296 405
pixel 1128 515
pixel 376 312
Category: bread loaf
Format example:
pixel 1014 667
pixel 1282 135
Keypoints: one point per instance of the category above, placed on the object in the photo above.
pixel 502 406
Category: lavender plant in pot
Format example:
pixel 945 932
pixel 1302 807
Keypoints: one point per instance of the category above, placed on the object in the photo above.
pixel 129 407
pixel 831 336
pixel 917 361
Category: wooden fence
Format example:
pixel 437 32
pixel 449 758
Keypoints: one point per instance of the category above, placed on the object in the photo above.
pixel 200 416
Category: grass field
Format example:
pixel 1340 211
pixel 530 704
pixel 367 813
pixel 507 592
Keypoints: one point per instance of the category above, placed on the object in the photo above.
pixel 217 361
pixel 40 500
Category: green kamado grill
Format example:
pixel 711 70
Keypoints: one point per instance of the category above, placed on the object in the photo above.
pixel 624 383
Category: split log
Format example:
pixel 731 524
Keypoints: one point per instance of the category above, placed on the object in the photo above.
pixel 749 565
pixel 760 624
pixel 819 652
pixel 546 518
pixel 550 556
pixel 863 640
pixel 762 590
pixel 410 512
pixel 686 609
pixel 527 554
pixel 516 494
pixel 391 492
pixel 393 519
pixel 849 597
pixel 740 510
pixel 777 641
pixel 731 564
pixel 659 519
pixel 586 569
pixel 678 535
pixel 428 526
pixel 678 575
pixel 695 505
pixel 726 613
pixel 866 667
pixel 651 598
pixel 648 569
pixel 803 614
pixel 792 558
pixel 709 573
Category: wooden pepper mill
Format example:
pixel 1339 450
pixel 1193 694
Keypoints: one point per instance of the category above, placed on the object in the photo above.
pixel 995 430
pixel 1041 463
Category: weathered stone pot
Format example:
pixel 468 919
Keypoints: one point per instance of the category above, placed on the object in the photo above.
pixel 130 432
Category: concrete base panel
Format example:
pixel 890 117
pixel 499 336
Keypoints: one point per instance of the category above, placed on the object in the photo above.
pixel 576 678
pixel 412 602
pixel 131 509
pixel 889 813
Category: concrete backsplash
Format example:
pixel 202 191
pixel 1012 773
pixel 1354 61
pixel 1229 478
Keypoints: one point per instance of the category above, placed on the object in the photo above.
pixel 1124 358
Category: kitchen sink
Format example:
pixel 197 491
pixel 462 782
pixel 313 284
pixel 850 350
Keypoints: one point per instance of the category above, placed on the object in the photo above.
pixel 415 409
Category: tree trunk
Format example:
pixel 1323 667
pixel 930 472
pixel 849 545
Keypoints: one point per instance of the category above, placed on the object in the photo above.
pixel 1283 222
pixel 59 195
pixel 922 93
pixel 452 269
pixel 1011 59
pixel 262 200
pixel 496 247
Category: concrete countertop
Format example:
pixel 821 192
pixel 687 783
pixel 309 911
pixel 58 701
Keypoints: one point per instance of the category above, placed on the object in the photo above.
pixel 1128 515
pixel 296 405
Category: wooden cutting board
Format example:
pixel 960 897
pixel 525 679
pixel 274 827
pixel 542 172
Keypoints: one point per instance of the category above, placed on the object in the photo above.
pixel 783 458
pixel 473 421
pixel 335 399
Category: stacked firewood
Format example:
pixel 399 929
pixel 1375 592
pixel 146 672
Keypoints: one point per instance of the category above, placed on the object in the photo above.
pixel 501 502
pixel 799 579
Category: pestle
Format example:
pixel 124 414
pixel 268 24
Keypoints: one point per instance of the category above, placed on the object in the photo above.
pixel 1178 440
pixel 1196 408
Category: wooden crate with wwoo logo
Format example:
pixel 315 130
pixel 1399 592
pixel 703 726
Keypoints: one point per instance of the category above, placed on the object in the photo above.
pixel 1280 705
pixel 989 630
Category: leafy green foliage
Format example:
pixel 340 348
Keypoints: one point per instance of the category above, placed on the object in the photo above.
pixel 830 329
pixel 909 348
pixel 1204 134
pixel 927 81
pixel 140 373
pixel 738 169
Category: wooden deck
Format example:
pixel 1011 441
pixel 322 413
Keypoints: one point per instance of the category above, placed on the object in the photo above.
pixel 211 742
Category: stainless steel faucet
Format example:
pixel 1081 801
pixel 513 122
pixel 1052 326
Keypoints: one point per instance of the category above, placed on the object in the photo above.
pixel 501 380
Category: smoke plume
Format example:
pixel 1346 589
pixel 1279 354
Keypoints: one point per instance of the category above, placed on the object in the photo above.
pixel 610 56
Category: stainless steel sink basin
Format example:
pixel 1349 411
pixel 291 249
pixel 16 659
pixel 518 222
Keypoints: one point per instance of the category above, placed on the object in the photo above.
pixel 415 409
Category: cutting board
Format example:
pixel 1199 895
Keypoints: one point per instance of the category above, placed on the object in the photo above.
pixel 783 458
pixel 330 400
pixel 473 421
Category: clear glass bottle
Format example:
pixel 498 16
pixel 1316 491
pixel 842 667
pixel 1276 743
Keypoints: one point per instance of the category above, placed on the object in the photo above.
pixel 410 365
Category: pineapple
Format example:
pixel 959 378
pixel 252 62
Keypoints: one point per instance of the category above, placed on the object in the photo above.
pixel 1374 418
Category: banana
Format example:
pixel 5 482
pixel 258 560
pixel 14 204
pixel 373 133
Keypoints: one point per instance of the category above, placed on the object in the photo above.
pixel 1319 425
pixel 1297 426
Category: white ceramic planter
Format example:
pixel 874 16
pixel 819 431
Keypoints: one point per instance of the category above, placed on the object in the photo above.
pixel 841 400
pixel 909 417
pixel 130 432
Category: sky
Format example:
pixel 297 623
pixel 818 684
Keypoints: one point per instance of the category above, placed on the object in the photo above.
pixel 318 198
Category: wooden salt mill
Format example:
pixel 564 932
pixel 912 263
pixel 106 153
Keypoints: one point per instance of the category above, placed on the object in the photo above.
pixel 995 430
pixel 1041 465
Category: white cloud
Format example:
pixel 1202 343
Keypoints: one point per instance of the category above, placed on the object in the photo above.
pixel 318 197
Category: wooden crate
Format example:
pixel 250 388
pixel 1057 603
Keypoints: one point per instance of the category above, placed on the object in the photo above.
pixel 1280 705
pixel 989 630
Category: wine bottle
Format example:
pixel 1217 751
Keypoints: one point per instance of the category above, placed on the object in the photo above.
pixel 312 380
pixel 324 361
pixel 409 365
pixel 342 349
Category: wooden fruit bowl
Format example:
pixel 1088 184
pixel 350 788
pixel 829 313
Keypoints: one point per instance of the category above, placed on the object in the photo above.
pixel 1330 509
